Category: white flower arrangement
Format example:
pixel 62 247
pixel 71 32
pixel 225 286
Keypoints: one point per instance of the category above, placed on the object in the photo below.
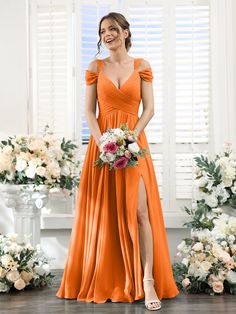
pixel 39 160
pixel 21 265
pixel 209 256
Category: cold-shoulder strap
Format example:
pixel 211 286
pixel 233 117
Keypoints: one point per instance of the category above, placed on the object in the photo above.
pixel 91 76
pixel 146 73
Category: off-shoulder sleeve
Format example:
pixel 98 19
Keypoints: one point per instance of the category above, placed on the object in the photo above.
pixel 90 77
pixel 146 74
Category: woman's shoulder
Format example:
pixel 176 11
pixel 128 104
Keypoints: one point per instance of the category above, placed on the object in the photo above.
pixel 144 64
pixel 93 66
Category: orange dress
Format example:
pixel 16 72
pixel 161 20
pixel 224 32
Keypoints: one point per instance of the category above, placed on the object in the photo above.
pixel 103 260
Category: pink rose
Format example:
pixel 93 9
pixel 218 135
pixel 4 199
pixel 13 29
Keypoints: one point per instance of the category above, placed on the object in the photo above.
pixel 111 147
pixel 128 154
pixel 130 138
pixel 120 163
pixel 217 286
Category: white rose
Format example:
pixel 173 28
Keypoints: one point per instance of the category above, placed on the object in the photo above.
pixel 13 275
pixel 118 132
pixel 185 261
pixel 19 284
pixel 206 265
pixel 12 236
pixel 7 149
pixel 133 147
pixel 216 210
pixel 181 245
pixel 6 260
pixel 231 277
pixel 231 238
pixel 211 200
pixel 232 225
pixel 103 157
pixel 15 248
pixel 104 136
pixel 41 270
pixel 198 246
pixel 21 164
pixel 41 171
pixel 110 157
pixel 201 182
pixel 30 172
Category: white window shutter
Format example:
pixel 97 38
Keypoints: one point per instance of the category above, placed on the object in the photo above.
pixel 192 89
pixel 146 23
pixel 52 62
pixel 90 14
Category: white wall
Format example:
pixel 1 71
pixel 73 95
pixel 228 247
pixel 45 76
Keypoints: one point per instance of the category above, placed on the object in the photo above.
pixel 13 61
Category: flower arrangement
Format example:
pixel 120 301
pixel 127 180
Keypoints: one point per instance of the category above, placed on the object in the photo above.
pixel 119 148
pixel 39 160
pixel 21 265
pixel 208 259
pixel 209 256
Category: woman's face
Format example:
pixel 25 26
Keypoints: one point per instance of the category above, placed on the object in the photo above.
pixel 109 35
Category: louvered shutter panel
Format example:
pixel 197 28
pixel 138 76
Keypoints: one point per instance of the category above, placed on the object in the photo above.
pixel 52 68
pixel 146 25
pixel 90 14
pixel 146 22
pixel 192 89
pixel 192 73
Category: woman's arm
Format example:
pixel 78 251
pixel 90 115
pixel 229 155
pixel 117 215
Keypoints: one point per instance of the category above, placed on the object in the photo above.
pixel 147 100
pixel 90 106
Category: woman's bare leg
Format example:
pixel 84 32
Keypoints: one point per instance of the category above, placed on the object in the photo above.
pixel 146 243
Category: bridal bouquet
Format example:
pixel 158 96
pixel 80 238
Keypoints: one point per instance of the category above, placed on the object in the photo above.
pixel 119 148
pixel 39 160
pixel 21 265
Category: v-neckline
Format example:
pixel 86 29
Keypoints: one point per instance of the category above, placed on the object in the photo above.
pixel 109 80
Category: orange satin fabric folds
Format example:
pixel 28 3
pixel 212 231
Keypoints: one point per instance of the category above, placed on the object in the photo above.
pixel 103 260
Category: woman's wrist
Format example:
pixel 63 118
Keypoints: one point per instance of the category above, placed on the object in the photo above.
pixel 136 132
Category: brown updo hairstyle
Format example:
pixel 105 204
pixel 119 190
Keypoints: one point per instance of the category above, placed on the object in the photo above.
pixel 117 18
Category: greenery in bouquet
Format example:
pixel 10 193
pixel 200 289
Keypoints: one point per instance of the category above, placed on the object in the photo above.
pixel 21 265
pixel 209 257
pixel 39 160
pixel 119 148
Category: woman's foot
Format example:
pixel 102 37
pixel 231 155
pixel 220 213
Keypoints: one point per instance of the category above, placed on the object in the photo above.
pixel 151 300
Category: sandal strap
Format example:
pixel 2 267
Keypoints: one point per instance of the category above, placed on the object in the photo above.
pixel 152 301
pixel 147 279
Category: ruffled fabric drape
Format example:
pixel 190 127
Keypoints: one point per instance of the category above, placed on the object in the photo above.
pixel 103 260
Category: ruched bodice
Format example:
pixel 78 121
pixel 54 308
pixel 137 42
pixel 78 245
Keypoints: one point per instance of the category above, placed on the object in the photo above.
pixel 103 261
pixel 127 97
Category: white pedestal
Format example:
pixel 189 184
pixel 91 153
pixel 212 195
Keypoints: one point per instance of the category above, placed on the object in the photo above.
pixel 26 203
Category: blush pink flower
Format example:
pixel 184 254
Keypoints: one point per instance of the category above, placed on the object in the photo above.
pixel 111 147
pixel 218 286
pixel 128 154
pixel 120 163
pixel 130 138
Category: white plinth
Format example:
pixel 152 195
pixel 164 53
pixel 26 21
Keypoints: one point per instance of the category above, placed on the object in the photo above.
pixel 26 204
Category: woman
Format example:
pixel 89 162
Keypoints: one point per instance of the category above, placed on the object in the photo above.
pixel 118 248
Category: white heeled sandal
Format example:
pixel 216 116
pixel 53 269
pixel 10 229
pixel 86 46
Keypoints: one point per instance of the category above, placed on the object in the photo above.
pixel 152 301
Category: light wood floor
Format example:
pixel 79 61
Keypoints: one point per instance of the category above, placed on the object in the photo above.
pixel 43 300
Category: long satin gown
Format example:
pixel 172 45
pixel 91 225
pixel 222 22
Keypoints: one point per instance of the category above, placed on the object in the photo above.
pixel 103 260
